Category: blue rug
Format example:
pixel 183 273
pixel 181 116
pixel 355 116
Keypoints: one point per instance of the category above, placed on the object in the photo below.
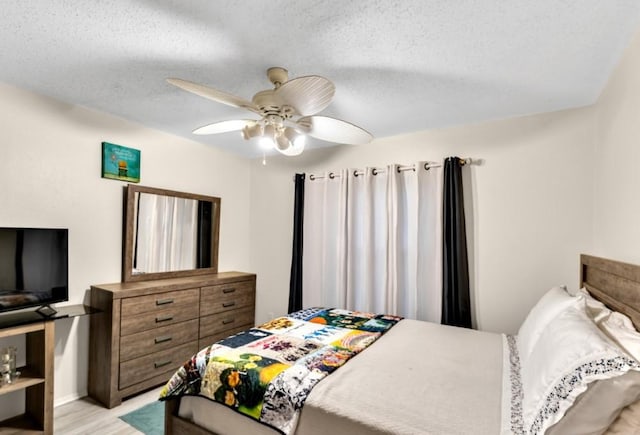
pixel 149 419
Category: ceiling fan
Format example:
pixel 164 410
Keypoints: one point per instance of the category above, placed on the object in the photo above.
pixel 287 113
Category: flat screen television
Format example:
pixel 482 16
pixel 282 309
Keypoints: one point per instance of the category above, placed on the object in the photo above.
pixel 33 268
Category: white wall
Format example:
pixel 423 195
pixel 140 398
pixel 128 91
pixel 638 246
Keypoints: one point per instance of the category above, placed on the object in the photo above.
pixel 50 176
pixel 617 159
pixel 530 206
pixel 551 186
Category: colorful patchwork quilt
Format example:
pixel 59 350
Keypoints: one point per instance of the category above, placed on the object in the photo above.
pixel 267 372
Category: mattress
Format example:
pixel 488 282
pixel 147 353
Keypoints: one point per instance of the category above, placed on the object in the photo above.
pixel 429 378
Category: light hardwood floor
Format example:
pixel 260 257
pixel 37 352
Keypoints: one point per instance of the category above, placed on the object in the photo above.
pixel 86 416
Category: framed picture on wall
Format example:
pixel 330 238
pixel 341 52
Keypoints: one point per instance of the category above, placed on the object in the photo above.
pixel 120 163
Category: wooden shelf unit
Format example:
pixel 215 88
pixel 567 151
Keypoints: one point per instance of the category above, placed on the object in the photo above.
pixel 36 379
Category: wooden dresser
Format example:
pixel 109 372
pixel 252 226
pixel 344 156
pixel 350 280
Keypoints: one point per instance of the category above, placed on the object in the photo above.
pixel 147 329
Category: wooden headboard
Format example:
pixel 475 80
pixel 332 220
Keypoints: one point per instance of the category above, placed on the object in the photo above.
pixel 614 283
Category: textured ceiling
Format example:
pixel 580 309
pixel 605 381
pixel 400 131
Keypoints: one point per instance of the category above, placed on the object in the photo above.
pixel 398 66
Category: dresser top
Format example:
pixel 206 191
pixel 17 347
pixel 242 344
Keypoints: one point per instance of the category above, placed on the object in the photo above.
pixel 137 288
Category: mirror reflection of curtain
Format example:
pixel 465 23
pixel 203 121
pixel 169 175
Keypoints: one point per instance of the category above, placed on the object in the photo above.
pixel 166 238
pixel 374 242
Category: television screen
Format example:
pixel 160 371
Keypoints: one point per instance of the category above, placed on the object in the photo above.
pixel 33 267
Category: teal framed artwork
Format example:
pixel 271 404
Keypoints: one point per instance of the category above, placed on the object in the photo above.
pixel 120 163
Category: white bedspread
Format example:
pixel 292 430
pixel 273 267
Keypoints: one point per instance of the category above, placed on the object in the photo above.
pixel 451 384
pixel 431 379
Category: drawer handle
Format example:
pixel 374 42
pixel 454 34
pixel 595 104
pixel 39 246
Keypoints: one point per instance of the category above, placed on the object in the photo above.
pixel 228 290
pixel 163 319
pixel 227 321
pixel 164 339
pixel 157 365
pixel 228 304
pixel 164 301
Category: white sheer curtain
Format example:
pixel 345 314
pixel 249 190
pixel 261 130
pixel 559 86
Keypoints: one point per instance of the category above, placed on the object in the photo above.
pixel 168 239
pixel 373 241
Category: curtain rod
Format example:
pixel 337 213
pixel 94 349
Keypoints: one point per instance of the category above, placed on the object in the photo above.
pixel 376 171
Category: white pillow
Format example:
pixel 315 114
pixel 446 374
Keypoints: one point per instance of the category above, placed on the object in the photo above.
pixel 570 354
pixel 595 309
pixel 620 329
pixel 592 412
pixel 597 408
pixel 549 306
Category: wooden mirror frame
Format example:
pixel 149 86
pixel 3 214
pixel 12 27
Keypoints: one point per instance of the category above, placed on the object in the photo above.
pixel 127 245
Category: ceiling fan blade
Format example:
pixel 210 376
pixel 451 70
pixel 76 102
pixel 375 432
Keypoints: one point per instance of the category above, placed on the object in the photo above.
pixel 223 126
pixel 213 94
pixel 307 95
pixel 334 130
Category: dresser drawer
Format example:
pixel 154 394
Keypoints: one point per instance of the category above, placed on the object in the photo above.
pixel 217 323
pixel 159 301
pixel 220 298
pixel 155 340
pixel 147 367
pixel 152 320
pixel 211 339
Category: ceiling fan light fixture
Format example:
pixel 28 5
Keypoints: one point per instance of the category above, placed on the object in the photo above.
pixel 251 130
pixel 291 134
pixel 300 141
pixel 269 131
pixel 282 143
pixel 266 142
pixel 296 147
pixel 289 142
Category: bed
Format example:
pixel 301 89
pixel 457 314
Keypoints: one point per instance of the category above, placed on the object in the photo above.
pixel 412 379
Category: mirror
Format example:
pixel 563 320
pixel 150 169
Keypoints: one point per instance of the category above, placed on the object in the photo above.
pixel 169 234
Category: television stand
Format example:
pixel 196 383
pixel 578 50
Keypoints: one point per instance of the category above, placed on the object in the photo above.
pixel 26 317
pixel 46 311
pixel 36 377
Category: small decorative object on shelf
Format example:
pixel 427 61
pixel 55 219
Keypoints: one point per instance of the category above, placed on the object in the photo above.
pixel 8 371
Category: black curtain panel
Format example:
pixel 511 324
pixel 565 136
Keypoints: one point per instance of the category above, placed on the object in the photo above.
pixel 295 281
pixel 456 304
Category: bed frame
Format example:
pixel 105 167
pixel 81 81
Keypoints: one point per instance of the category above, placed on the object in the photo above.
pixel 615 283
pixel 176 425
